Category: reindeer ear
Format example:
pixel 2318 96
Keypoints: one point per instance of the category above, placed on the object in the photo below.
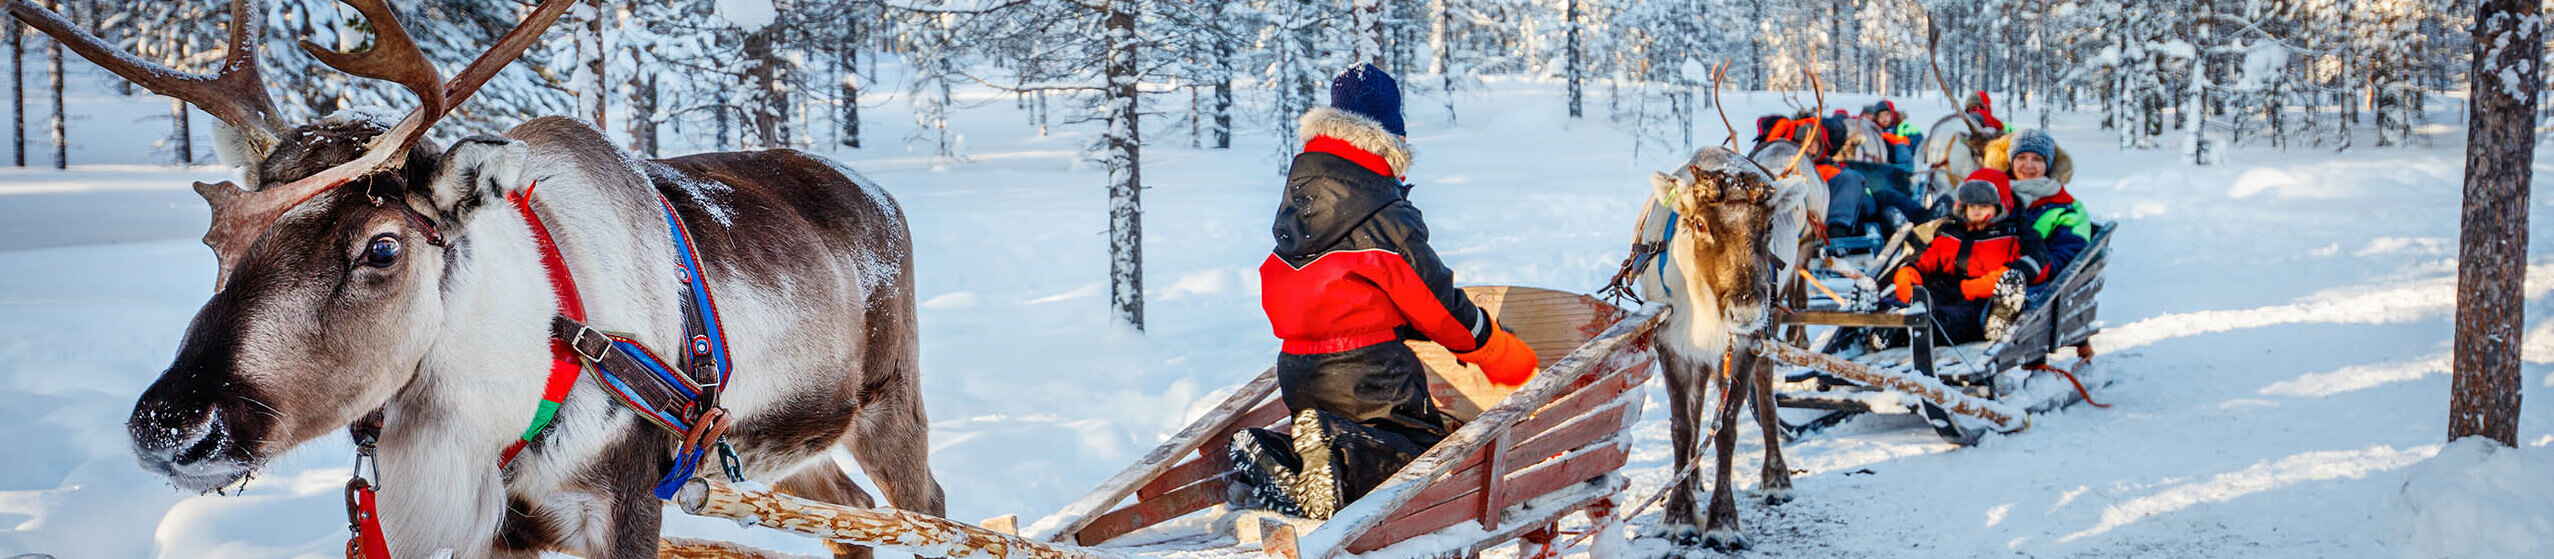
pixel 476 171
pixel 1668 191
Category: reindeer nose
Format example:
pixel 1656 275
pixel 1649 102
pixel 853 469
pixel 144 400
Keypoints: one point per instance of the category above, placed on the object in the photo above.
pixel 168 442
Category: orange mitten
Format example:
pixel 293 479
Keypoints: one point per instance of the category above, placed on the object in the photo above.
pixel 1907 284
pixel 1980 288
pixel 1505 359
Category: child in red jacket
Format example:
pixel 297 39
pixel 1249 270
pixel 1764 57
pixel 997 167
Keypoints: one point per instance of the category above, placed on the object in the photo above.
pixel 1352 276
pixel 1977 266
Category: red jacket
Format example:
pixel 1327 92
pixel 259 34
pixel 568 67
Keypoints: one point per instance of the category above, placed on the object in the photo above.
pixel 1352 266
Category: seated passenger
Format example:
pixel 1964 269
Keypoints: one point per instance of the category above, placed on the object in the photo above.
pixel 1854 198
pixel 1901 135
pixel 1352 276
pixel 1976 269
pixel 2046 206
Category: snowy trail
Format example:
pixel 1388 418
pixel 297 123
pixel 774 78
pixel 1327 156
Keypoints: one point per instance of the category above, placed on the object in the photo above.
pixel 2278 327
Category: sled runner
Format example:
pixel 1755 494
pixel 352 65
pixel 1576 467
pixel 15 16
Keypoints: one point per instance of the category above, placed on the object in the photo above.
pixel 1962 390
pixel 1523 459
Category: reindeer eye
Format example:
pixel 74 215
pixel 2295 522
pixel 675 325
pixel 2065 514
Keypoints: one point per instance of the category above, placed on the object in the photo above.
pixel 383 252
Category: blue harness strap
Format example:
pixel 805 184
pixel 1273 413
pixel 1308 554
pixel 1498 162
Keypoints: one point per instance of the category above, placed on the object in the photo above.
pixel 674 395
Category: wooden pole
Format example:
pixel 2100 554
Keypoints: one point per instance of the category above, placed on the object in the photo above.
pixel 882 528
pixel 2005 418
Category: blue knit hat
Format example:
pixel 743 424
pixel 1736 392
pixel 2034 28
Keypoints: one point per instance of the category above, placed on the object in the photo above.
pixel 2035 140
pixel 1369 92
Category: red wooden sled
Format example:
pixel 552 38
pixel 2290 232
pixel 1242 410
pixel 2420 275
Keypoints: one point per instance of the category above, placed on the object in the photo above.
pixel 1525 458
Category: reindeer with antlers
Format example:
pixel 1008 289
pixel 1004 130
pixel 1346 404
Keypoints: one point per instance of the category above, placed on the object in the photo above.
pixel 1732 233
pixel 429 298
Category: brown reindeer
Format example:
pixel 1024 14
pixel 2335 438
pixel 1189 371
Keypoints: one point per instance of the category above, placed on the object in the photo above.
pixel 369 270
pixel 1718 270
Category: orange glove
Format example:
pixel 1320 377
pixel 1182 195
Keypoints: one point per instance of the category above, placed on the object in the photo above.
pixel 1907 277
pixel 1979 288
pixel 1505 359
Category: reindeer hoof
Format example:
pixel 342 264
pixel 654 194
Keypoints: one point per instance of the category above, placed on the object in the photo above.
pixel 1777 496
pixel 1685 536
pixel 1724 540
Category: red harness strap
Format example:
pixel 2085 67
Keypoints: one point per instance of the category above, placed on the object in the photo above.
pixel 362 516
pixel 564 364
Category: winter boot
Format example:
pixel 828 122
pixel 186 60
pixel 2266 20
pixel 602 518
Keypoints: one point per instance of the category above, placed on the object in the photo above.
pixel 1263 465
pixel 1314 489
pixel 2011 293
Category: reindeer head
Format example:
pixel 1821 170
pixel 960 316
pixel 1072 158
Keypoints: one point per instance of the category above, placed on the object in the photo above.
pixel 328 294
pixel 1720 200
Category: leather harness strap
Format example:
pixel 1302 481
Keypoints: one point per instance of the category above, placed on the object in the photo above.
pixel 683 400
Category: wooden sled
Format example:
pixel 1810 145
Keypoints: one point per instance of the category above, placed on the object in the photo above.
pixel 1524 459
pixel 1964 391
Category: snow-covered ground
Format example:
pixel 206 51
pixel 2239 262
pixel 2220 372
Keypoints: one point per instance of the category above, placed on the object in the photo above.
pixel 2278 326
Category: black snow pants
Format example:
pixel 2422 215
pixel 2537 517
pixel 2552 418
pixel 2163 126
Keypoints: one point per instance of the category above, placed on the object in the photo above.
pixel 1378 396
pixel 1957 321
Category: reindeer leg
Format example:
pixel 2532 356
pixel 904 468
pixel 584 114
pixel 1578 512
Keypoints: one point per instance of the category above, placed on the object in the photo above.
pixel 1775 480
pixel 825 482
pixel 890 435
pixel 892 441
pixel 1685 387
pixel 1720 521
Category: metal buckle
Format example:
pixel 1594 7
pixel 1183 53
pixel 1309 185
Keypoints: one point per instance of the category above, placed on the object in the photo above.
pixel 363 458
pixel 577 344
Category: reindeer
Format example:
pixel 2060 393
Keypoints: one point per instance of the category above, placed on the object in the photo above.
pixel 1718 270
pixel 369 270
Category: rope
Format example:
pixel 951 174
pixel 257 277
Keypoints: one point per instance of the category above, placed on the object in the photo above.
pixel 2085 354
pixel 1831 293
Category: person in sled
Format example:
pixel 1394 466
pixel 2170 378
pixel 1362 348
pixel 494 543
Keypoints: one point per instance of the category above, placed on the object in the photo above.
pixel 1977 268
pixel 1351 277
pixel 1856 194
pixel 2047 207
pixel 1981 107
pixel 1902 136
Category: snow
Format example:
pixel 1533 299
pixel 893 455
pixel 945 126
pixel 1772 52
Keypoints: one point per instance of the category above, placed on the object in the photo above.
pixel 2477 499
pixel 2272 397
pixel 752 15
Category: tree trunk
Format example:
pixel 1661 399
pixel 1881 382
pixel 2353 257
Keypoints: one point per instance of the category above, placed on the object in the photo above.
pixel 17 92
pixel 1125 158
pixel 768 101
pixel 594 99
pixel 2492 246
pixel 642 123
pixel 1571 66
pixel 61 124
pixel 1365 18
pixel 848 63
pixel 182 135
pixel 1223 104
pixel 1441 53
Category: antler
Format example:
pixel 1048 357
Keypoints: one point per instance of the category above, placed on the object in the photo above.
pixel 235 94
pixel 1817 127
pixel 239 216
pixel 1718 73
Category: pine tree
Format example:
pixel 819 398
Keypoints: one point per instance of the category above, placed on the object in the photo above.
pixel 2507 78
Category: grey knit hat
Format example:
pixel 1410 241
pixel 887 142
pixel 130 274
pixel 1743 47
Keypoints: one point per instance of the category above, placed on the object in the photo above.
pixel 2035 140
pixel 1981 193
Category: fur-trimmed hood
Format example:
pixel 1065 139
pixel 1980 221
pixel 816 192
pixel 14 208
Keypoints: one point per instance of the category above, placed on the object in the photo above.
pixel 1358 131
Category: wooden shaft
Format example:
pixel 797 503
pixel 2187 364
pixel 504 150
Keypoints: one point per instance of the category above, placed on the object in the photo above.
pixel 883 528
pixel 2004 417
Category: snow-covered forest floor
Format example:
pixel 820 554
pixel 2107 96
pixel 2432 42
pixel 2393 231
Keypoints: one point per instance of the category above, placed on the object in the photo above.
pixel 2278 326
